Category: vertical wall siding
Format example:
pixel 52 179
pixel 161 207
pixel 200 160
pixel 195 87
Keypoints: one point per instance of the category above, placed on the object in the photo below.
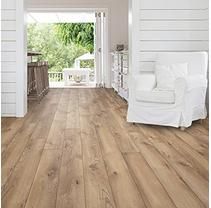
pixel 8 61
pixel 170 26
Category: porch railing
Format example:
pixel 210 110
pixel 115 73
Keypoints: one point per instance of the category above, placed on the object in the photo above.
pixel 58 76
pixel 55 76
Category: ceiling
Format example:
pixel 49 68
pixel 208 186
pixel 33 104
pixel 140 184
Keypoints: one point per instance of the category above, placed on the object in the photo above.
pixel 60 17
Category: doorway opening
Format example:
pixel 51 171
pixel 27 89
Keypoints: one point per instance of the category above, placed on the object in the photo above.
pixel 72 45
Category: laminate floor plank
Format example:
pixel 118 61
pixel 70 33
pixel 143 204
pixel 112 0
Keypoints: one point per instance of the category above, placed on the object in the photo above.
pixel 44 189
pixel 200 162
pixel 97 189
pixel 16 189
pixel 71 181
pixel 15 149
pixel 177 189
pixel 118 173
pixel 199 145
pixel 184 168
pixel 76 149
pixel 43 193
pixel 56 135
pixel 154 195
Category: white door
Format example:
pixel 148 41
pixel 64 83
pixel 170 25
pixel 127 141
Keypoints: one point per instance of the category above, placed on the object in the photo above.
pixel 100 48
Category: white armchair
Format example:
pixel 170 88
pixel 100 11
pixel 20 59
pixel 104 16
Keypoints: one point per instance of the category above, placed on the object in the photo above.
pixel 176 107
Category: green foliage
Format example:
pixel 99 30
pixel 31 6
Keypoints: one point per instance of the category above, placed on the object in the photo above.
pixel 87 64
pixel 78 33
pixel 44 38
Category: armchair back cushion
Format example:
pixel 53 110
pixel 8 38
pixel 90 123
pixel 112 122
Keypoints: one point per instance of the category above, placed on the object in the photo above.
pixel 197 61
pixel 167 74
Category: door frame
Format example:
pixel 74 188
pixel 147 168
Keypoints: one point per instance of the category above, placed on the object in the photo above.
pixel 69 9
pixel 78 9
pixel 100 43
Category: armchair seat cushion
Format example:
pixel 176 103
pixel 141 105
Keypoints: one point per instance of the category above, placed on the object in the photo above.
pixel 156 96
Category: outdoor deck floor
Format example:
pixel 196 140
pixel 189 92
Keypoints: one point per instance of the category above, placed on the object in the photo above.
pixel 76 150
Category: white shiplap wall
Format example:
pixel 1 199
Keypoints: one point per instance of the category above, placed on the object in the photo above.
pixel 8 61
pixel 13 59
pixel 166 25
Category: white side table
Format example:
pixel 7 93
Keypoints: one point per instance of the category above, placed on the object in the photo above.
pixel 75 71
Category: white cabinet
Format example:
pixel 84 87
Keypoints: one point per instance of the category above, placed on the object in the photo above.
pixel 120 73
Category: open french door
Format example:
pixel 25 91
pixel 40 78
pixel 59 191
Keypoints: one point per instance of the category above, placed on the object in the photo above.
pixel 100 48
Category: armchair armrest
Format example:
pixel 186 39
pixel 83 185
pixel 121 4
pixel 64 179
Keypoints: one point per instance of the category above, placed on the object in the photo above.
pixel 196 81
pixel 186 84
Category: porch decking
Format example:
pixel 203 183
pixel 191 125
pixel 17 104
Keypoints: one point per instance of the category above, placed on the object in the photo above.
pixel 72 85
pixel 75 149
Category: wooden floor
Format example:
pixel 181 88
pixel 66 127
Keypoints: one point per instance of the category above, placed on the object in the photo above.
pixel 76 150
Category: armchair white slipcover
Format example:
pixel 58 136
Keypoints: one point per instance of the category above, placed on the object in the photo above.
pixel 178 107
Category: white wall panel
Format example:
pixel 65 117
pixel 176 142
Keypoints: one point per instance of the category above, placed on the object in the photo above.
pixel 180 25
pixel 8 87
pixel 8 77
pixel 8 98
pixel 8 67
pixel 174 4
pixel 8 4
pixel 8 15
pixel 173 25
pixel 8 46
pixel 8 35
pixel 173 45
pixel 174 14
pixel 8 25
pixel 8 109
pixel 8 56
pixel 174 35
pixel 145 66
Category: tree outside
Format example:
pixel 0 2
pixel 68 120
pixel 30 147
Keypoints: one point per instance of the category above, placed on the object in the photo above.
pixel 61 43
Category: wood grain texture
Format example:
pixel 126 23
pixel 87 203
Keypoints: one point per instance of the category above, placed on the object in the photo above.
pixel 16 190
pixel 153 193
pixel 76 149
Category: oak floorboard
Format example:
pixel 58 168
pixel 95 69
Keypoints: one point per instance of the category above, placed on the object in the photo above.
pixel 13 152
pixel 44 189
pixel 184 168
pixel 177 189
pixel 109 119
pixel 11 129
pixel 154 195
pixel 199 132
pixel 200 162
pixel 73 119
pixel 199 145
pixel 71 181
pixel 43 192
pixel 76 149
pixel 16 189
pixel 118 173
pixel 56 135
pixel 97 189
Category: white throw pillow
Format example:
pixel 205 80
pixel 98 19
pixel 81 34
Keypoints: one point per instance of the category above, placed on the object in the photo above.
pixel 180 69
pixel 167 74
pixel 165 77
